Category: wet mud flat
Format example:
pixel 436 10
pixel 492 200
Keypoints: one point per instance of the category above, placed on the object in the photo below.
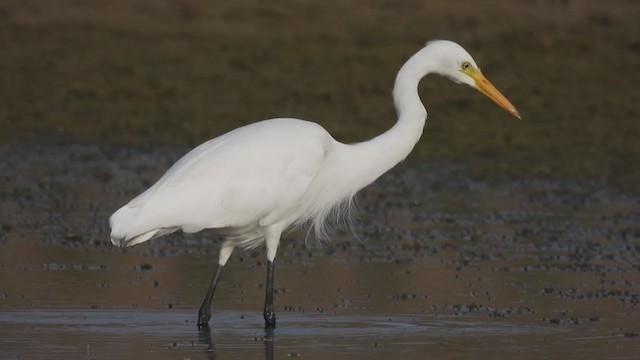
pixel 441 265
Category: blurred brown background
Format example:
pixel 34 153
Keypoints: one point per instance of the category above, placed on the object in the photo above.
pixel 181 72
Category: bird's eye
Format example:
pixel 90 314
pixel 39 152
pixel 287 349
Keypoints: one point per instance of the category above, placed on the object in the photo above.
pixel 465 65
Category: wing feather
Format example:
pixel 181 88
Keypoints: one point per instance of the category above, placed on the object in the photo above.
pixel 254 174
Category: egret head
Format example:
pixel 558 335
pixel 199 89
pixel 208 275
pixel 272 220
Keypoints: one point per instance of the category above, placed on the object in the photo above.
pixel 454 62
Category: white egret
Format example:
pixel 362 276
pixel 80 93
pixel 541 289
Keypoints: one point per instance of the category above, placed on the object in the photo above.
pixel 258 180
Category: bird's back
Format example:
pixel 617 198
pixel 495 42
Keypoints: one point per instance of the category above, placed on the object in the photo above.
pixel 252 176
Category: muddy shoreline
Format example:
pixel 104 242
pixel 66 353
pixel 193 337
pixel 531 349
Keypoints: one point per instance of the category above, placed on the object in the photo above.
pixel 432 245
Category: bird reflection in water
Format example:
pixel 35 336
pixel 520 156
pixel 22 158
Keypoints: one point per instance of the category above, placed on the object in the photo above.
pixel 205 337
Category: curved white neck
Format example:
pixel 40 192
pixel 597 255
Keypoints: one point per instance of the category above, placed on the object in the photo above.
pixel 378 155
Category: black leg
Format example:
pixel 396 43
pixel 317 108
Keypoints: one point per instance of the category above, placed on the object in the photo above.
pixel 269 314
pixel 205 310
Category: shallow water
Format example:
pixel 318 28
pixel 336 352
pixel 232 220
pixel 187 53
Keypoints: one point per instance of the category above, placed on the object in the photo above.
pixel 444 266
pixel 121 333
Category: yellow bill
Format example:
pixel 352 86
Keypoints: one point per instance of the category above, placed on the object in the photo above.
pixel 484 86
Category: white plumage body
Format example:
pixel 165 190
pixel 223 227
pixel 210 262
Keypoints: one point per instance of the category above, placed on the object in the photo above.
pixel 231 183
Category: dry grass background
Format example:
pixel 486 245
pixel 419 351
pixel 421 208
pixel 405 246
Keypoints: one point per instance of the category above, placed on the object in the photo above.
pixel 146 72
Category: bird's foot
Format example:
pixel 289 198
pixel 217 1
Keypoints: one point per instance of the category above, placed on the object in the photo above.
pixel 203 318
pixel 269 319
